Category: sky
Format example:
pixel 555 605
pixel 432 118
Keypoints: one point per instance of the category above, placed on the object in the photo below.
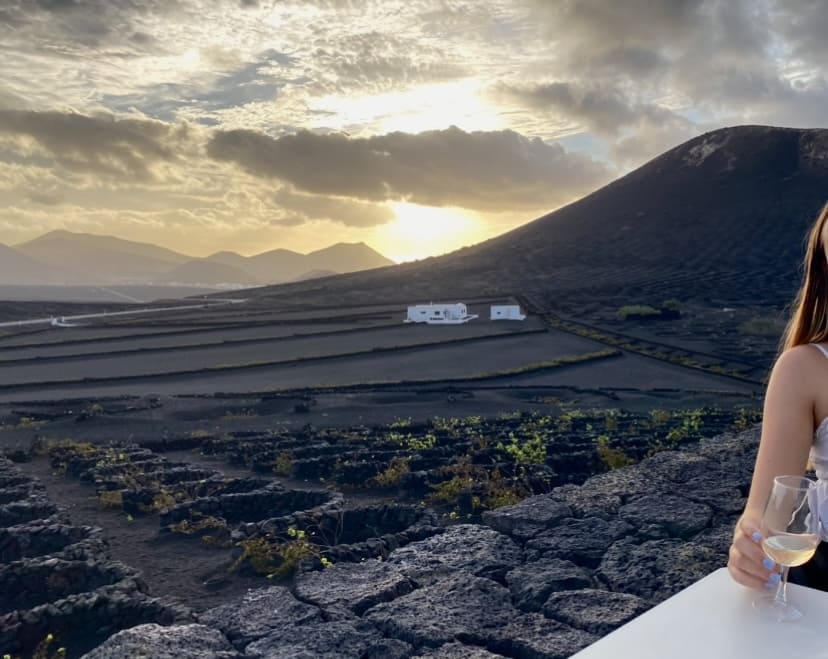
pixel 415 126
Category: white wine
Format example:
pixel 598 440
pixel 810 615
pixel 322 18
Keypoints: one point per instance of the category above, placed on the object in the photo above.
pixel 791 550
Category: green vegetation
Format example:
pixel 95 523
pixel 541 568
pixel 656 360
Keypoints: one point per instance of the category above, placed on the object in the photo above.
pixel 257 553
pixel 393 475
pixel 283 464
pixel 612 458
pixel 637 312
pixel 671 305
pixel 746 418
pixel 765 327
pixel 111 498
pixel 474 489
pixel 529 451
pixel 278 559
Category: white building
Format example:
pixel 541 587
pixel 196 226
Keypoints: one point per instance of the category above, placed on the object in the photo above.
pixel 506 312
pixel 439 314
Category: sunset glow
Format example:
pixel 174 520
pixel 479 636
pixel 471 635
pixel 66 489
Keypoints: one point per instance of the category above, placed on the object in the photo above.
pixel 422 231
pixel 415 127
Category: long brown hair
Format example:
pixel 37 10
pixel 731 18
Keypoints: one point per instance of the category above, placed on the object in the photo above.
pixel 809 322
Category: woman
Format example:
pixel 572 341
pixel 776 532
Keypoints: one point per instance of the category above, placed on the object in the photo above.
pixel 795 424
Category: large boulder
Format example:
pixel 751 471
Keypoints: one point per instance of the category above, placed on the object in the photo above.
pixel 532 583
pixel 257 613
pixel 532 635
pixel 676 516
pixel 455 607
pixel 470 548
pixel 527 518
pixel 153 641
pixel 354 586
pixel 457 651
pixel 582 541
pixel 337 639
pixel 656 569
pixel 595 611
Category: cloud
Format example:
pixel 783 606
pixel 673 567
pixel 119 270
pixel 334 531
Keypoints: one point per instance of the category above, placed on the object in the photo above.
pixel 103 145
pixel 375 62
pixel 340 210
pixel 603 109
pixel 487 171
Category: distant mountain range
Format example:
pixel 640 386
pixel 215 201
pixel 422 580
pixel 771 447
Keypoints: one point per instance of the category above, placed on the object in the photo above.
pixel 63 257
pixel 720 219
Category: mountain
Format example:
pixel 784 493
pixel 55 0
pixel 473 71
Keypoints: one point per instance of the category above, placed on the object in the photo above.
pixel 281 265
pixel 346 257
pixel 101 259
pixel 208 273
pixel 16 267
pixel 720 219
pixel 315 274
pixel 63 257
pixel 276 265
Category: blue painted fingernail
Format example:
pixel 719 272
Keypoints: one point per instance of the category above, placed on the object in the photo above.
pixel 770 585
pixel 756 536
pixel 774 577
pixel 768 563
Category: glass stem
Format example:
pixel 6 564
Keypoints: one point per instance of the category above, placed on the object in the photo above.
pixel 781 596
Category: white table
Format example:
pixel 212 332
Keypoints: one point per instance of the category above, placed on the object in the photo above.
pixel 713 619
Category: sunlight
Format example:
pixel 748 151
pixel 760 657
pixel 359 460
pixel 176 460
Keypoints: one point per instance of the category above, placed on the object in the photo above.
pixel 422 231
pixel 427 107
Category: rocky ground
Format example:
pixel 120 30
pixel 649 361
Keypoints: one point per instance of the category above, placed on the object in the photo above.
pixel 542 578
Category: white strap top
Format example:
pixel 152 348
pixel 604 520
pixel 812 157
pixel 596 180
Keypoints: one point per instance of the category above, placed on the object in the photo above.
pixel 819 459
pixel 819 450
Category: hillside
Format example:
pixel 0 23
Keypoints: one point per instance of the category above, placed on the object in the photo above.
pixel 15 266
pixel 718 220
pixel 207 273
pixel 101 259
pixel 64 257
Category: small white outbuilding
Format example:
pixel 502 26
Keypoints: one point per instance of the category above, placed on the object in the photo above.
pixel 506 312
pixel 439 314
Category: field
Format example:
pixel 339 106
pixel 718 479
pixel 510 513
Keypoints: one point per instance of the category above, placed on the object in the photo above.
pixel 256 441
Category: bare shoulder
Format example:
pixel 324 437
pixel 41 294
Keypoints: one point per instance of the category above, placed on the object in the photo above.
pixel 800 365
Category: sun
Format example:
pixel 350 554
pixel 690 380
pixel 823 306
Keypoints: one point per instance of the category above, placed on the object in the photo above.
pixel 422 231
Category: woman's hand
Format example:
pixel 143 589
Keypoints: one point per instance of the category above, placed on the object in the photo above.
pixel 747 563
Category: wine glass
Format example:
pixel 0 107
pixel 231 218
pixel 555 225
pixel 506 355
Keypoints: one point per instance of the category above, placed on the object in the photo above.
pixel 791 533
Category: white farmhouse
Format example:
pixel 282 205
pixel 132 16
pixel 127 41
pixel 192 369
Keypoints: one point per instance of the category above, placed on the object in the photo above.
pixel 506 312
pixel 439 314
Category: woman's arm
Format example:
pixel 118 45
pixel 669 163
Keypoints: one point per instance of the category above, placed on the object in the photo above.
pixel 787 436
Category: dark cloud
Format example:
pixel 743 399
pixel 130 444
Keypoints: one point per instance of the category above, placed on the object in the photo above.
pixel 103 144
pixel 605 110
pixel 487 171
pixel 44 198
pixel 69 24
pixel 804 24
pixel 345 211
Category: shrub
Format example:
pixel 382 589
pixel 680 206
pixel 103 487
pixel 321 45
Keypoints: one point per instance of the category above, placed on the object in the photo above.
pixel 613 458
pixel 111 498
pixel 283 464
pixel 528 451
pixel 392 476
pixel 637 312
pixel 767 327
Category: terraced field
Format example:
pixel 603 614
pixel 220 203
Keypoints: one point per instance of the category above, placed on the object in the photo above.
pixel 218 450
pixel 242 349
pixel 298 501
